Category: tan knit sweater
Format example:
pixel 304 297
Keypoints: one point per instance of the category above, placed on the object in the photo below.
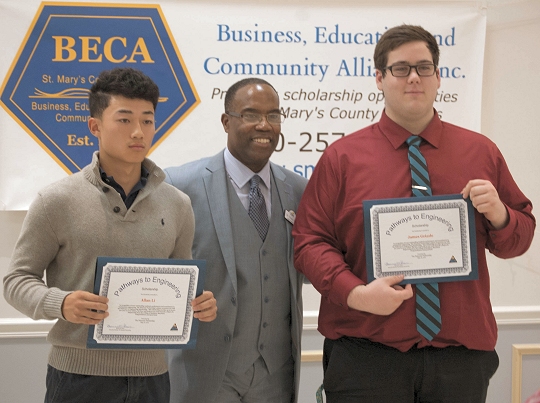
pixel 68 225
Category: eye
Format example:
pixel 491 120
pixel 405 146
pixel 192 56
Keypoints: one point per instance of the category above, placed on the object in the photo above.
pixel 123 120
pixel 400 69
pixel 250 116
pixel 274 117
pixel 425 68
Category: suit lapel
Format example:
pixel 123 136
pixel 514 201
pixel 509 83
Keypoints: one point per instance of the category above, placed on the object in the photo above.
pixel 215 182
pixel 283 188
pixel 285 193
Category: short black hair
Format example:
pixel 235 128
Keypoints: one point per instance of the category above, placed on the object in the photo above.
pixel 231 92
pixel 123 81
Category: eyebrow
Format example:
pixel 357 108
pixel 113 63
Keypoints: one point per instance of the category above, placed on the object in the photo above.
pixel 424 61
pixel 130 112
pixel 277 110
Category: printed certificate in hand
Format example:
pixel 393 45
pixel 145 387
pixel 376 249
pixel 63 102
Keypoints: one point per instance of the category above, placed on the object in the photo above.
pixel 427 239
pixel 149 303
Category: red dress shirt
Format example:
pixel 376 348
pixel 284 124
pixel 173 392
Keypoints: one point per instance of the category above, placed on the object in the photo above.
pixel 372 164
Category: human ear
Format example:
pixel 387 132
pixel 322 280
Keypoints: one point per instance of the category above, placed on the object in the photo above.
pixel 225 119
pixel 94 127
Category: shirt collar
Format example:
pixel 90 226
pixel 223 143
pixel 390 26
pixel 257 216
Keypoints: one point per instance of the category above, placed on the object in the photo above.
pixel 110 181
pixel 241 174
pixel 397 135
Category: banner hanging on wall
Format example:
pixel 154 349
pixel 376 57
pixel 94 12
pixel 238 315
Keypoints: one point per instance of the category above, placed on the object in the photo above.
pixel 319 58
pixel 46 90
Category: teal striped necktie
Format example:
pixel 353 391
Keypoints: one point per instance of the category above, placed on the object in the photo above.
pixel 428 307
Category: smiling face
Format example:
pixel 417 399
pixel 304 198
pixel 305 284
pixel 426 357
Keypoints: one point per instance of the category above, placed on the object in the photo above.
pixel 409 100
pixel 252 144
pixel 125 131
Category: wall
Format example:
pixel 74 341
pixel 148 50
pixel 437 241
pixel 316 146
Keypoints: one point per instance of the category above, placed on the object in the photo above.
pixel 510 117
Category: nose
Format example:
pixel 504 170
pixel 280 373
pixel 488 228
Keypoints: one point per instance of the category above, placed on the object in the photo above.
pixel 413 75
pixel 137 131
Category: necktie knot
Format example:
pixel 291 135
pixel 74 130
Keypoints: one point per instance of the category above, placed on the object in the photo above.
pixel 414 141
pixel 254 182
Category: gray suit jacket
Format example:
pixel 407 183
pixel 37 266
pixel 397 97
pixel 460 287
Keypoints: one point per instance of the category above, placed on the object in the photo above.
pixel 196 375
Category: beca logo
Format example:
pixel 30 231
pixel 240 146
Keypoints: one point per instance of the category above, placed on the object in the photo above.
pixel 65 49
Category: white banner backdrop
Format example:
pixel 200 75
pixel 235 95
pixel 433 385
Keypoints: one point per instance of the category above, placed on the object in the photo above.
pixel 319 58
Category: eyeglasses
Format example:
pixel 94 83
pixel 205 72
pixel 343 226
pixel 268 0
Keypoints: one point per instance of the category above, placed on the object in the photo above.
pixel 255 117
pixel 403 70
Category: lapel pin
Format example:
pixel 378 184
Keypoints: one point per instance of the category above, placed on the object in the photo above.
pixel 290 216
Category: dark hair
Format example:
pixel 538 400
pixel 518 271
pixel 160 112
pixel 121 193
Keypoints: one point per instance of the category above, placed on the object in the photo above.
pixel 126 82
pixel 397 36
pixel 231 92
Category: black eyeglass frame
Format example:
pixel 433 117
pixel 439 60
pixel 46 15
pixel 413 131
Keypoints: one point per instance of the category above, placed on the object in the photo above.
pixel 410 67
pixel 261 115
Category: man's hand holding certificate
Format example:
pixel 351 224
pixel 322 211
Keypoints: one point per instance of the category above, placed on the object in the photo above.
pixel 424 238
pixel 150 303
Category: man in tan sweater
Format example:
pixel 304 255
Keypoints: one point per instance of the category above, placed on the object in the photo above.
pixel 118 205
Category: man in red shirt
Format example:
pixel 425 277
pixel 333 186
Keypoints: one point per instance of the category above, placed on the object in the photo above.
pixel 373 351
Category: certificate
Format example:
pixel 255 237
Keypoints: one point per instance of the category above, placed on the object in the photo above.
pixel 427 239
pixel 149 303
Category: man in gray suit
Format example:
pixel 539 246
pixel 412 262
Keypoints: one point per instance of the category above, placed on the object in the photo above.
pixel 244 211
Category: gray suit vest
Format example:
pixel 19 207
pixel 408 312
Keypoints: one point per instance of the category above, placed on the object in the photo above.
pixel 263 322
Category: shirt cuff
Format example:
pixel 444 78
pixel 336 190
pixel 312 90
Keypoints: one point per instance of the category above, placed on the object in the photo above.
pixel 342 287
pixel 505 232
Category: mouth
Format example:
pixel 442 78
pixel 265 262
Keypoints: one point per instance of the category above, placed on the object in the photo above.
pixel 137 146
pixel 262 141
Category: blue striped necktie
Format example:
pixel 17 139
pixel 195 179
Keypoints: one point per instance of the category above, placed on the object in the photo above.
pixel 257 207
pixel 428 307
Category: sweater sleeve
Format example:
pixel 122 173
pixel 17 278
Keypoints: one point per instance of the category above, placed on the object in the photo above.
pixel 186 229
pixel 24 286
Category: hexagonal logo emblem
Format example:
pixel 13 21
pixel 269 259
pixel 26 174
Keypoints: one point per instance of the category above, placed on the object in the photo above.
pixel 65 49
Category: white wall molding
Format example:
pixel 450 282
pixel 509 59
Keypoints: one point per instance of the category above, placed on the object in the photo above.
pixel 517 315
pixel 28 328
pixel 16 328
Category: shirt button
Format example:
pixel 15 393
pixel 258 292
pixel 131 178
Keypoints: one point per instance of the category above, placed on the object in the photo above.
pixel 227 338
pixel 265 324
pixel 233 300
pixel 105 189
pixel 266 277
pixel 266 299
pixel 261 346
pixel 264 252
pixel 116 209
